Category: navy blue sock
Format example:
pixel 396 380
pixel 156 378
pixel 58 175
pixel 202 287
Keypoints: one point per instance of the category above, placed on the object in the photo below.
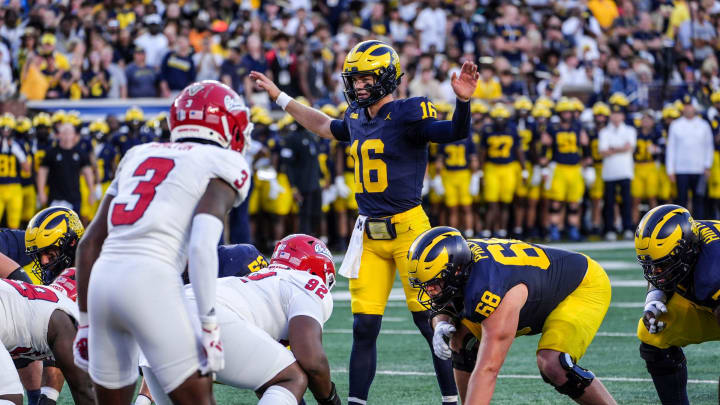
pixel 363 357
pixel 443 368
pixel 33 397
pixel 668 369
pixel 302 402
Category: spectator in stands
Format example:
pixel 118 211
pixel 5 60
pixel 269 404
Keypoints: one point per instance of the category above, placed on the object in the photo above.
pixel 282 64
pixel 510 38
pixel 232 70
pixel 488 87
pixel 34 84
pixel 61 169
pixel 66 34
pixel 467 30
pixel 299 19
pixel 177 69
pixel 255 60
pixel 96 77
pixel 377 21
pixel 116 75
pixel 616 143
pixel 141 78
pixel 689 156
pixel 124 48
pixel 206 62
pixel 697 36
pixel 426 85
pixel 153 41
pixel 431 23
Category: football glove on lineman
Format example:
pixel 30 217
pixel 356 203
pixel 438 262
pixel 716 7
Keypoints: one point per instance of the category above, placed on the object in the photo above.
pixel 441 336
pixel 654 306
pixel 80 344
pixel 212 346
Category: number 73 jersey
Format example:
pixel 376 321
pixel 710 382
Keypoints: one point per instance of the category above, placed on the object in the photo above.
pixel 550 275
pixel 156 189
pixel 25 311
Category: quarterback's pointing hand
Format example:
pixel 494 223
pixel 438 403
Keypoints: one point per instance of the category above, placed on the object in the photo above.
pixel 464 84
pixel 266 84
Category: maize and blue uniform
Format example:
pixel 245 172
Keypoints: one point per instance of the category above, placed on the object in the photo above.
pixel 689 318
pixel 714 180
pixel 347 203
pixel 327 168
pixel 500 177
pixel 12 245
pixel 646 181
pixel 568 293
pixel 391 155
pixel 567 183
pixel 12 155
pixel 27 181
pixel 456 174
pixel 528 140
pixel 667 190
pixel 598 187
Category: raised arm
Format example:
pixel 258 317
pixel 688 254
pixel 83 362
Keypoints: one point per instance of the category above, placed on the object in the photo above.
pixel 313 120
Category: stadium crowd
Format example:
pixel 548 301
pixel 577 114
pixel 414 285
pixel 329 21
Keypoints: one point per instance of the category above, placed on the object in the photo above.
pixel 571 93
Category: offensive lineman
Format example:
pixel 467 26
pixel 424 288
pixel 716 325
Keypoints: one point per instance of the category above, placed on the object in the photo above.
pixel 287 303
pixel 503 288
pixel 388 141
pixel 164 208
pixel 36 323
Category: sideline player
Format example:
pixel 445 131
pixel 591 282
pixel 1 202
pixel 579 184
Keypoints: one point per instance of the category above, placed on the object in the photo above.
pixel 389 140
pixel 679 256
pixel 500 289
pixel 38 322
pixel 164 208
pixel 288 302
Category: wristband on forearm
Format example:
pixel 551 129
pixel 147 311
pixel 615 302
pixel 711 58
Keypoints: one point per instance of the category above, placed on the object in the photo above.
pixel 332 399
pixel 283 100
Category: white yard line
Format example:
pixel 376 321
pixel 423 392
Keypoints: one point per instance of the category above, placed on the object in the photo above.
pixel 515 376
pixel 416 332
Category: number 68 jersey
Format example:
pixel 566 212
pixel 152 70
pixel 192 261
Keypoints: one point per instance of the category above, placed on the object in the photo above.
pixel 271 297
pixel 156 189
pixel 25 311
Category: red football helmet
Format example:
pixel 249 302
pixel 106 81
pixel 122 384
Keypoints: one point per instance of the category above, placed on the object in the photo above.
pixel 212 111
pixel 305 253
pixel 66 284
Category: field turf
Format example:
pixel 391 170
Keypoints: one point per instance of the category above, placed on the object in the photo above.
pixel 405 374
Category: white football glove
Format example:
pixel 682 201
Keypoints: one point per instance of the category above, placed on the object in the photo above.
pixel 98 192
pixel 443 331
pixel 437 185
pixel 212 346
pixel 342 188
pixel 589 176
pixel 80 344
pixel 475 183
pixel 525 174
pixel 536 178
pixel 425 187
pixel 654 306
pixel 275 189
pixel 329 195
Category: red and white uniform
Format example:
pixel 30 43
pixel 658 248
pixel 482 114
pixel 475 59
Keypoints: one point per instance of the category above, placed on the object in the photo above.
pixel 25 311
pixel 135 297
pixel 254 313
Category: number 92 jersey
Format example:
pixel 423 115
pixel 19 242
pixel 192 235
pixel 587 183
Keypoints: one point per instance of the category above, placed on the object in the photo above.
pixel 156 189
pixel 25 311
pixel 390 153
pixel 550 275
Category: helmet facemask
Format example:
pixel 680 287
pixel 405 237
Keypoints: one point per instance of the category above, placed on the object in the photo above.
pixel 64 259
pixel 665 273
pixel 385 83
pixel 450 280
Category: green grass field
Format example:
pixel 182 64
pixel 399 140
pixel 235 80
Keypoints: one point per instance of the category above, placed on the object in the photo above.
pixel 405 374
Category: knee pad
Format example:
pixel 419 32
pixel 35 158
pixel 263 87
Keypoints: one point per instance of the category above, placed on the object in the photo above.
pixel 555 207
pixel 465 359
pixel 573 209
pixel 49 363
pixel 21 363
pixel 366 327
pixel 662 361
pixel 578 378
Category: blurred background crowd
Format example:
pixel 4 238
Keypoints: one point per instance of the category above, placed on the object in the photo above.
pixel 548 69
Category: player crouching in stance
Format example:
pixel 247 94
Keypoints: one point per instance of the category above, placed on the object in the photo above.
pixel 287 302
pixel 164 208
pixel 500 289
pixel 679 257
pixel 38 323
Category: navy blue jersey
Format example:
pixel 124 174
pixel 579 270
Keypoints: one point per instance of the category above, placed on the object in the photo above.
pixel 500 145
pixel 106 158
pixel 390 154
pixel 239 260
pixel 594 144
pixel 527 137
pixel 457 155
pixel 566 147
pixel 12 245
pixel 26 176
pixel 549 274
pixel 645 145
pixel 703 286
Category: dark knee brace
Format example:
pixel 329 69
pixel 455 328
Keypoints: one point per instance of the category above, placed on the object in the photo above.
pixel 578 378
pixel 555 207
pixel 573 209
pixel 465 359
pixel 668 369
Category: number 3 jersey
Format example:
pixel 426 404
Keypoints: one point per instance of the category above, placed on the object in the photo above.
pixel 550 275
pixel 25 312
pixel 270 298
pixel 156 189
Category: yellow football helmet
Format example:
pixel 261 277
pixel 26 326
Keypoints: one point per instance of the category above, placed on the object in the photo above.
pixel 500 111
pixel 73 117
pixel 478 107
pixel 545 102
pixel 7 120
pixel 666 243
pixel 23 125
pixel 99 126
pixel 669 111
pixel 59 116
pixel 564 105
pixel 42 119
pixel 540 111
pixel 439 259
pixel 523 103
pixel 715 97
pixel 330 110
pixel 619 99
pixel 54 231
pixel 374 58
pixel 601 108
pixel 342 107
pixel 577 104
pixel 134 114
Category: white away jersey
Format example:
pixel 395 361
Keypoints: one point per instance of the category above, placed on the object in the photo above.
pixel 156 189
pixel 25 311
pixel 271 297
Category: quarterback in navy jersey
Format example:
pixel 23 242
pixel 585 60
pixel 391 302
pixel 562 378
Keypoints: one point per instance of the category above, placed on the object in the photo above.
pixel 498 289
pixel 389 143
pixel 679 256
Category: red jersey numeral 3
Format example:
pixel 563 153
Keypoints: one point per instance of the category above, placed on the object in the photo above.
pixel 161 167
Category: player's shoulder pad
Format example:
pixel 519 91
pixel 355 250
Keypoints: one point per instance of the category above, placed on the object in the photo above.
pixel 415 109
pixel 707 279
